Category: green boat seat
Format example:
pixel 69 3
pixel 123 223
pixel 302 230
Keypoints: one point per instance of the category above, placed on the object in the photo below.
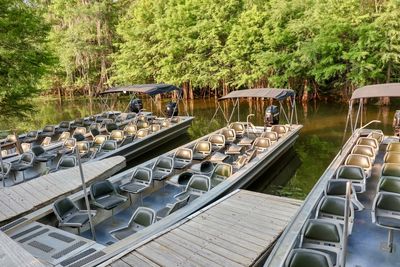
pixel 368 151
pixel 332 208
pixel 108 146
pixel 5 169
pixel 308 258
pixel 130 130
pixel 25 162
pixel 201 150
pixel 198 185
pixel 162 168
pixel 272 136
pixel 63 127
pixel 48 131
pixel 182 158
pixel 238 127
pixel 230 135
pixel 142 133
pixel 69 215
pixel 355 174
pixel 392 157
pixel 261 144
pixel 141 218
pixel 221 172
pixel 391 169
pixel 377 135
pixel 361 161
pixel 389 184
pixel 171 208
pixel 41 155
pixel 367 141
pixel 31 136
pixel 393 147
pixel 105 196
pixel 64 136
pixel 338 188
pixel 217 141
pixel 94 132
pixel 111 127
pixel 140 180
pixel 281 130
pixel 78 123
pixel 66 162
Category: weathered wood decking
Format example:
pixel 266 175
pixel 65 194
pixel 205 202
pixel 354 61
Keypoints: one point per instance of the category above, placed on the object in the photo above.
pixel 26 197
pixel 234 231
pixel 13 255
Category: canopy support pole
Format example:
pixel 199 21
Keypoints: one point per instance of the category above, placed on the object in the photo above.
pixel 347 123
pixel 2 168
pixel 357 117
pixel 233 111
pixel 284 112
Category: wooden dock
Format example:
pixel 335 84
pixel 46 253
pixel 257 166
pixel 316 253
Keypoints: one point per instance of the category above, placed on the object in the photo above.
pixel 237 230
pixel 23 198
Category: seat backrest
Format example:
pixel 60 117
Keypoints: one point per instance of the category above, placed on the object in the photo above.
pixel 199 182
pixel 141 117
pixel 279 129
pixel 117 135
pixel 177 205
pixel 165 124
pixel 142 174
pixel 392 157
pixel 238 127
pixel 391 169
pixel 389 184
pixel 63 208
pixel 144 216
pixel 155 127
pixel 262 143
pixel 46 141
pixel 350 172
pixel 26 147
pixel 175 119
pixel 217 140
pixel 79 121
pixel 230 134
pixel 165 163
pixel 358 160
pixel 48 129
pixel 368 142
pixel 130 129
pixel 308 257
pixel 27 157
pixel 80 130
pixel 142 133
pixel 363 150
pixel 111 127
pixel 64 136
pixel 32 134
pixel 64 124
pixel 101 188
pixel 83 146
pixel 109 145
pixel 5 168
pixel 378 136
pixel 184 153
pixel 11 138
pixel 37 150
pixel 203 147
pixel 273 136
pixel 222 170
pixel 393 147
pixel 70 143
pixel 142 124
pixel 67 162
pixel 99 140
pixel 94 125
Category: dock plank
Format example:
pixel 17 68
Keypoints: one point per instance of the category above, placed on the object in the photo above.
pixel 23 198
pixel 234 231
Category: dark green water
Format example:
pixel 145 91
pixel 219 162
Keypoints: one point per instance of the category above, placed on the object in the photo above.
pixel 293 175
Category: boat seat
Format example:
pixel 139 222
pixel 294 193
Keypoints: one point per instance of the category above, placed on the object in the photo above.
pixel 46 141
pixel 67 147
pixel 26 147
pixel 355 174
pixel 77 123
pixel 201 150
pixel 41 155
pixel 332 208
pixel 68 214
pixel 360 161
pixel 118 135
pixel 79 130
pixel 111 127
pixel 87 122
pixel 364 150
pixel 261 144
pixel 386 213
pixel 389 184
pixel 130 130
pixel 11 139
pixel 377 135
pixel 31 136
pixel 64 136
pixel 171 208
pixel 141 117
pixel 230 135
pixel 392 157
pixel 205 167
pixel 338 188
pixel 245 141
pixel 63 126
pixel 217 141
pixel 141 218
pixel 221 172
pixel 140 180
pixel 83 148
pixel 175 119
pixel 142 133
pixel 108 146
pixel 25 162
pixel 238 127
pixel 142 124
pixel 105 196
pixel 162 168
pixel 48 131
pixel 308 258
pixel 165 124
pixel 198 185
pixel 66 162
pixel 99 140
pixel 323 236
pixel 155 128
pixel 95 125
pixel 368 142
pixel 182 158
pixel 281 130
pixel 272 136
pixel 393 147
pixel 5 169
pixel 391 169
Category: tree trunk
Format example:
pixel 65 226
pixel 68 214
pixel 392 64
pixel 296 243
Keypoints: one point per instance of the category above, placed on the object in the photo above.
pixel 305 92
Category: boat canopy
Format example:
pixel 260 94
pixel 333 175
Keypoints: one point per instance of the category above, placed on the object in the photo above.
pixel 276 93
pixel 377 90
pixel 150 89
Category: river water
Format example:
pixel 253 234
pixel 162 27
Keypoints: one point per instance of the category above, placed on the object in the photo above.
pixel 293 175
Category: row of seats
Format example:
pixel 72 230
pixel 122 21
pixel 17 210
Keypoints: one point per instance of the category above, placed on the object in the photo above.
pixel 321 240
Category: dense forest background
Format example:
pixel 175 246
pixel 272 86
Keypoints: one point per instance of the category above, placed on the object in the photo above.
pixel 320 48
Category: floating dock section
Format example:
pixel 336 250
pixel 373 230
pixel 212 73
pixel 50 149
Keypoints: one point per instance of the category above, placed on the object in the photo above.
pixel 26 197
pixel 237 230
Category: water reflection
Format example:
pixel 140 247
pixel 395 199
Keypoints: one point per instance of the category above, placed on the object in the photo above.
pixel 297 171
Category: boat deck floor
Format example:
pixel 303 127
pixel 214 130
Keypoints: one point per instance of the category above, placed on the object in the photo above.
pixel 365 245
